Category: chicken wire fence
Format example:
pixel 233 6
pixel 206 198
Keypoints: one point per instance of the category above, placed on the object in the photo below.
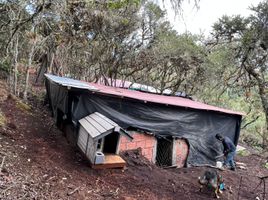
pixel 164 152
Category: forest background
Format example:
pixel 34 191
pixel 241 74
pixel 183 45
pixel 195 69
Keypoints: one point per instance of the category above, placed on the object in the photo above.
pixel 132 40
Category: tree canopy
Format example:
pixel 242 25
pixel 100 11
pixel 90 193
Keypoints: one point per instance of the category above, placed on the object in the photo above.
pixel 246 38
pixel 132 40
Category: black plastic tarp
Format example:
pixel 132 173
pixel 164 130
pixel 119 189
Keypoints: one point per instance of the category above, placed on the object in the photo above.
pixel 198 127
pixel 57 96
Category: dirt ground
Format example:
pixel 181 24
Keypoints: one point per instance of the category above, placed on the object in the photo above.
pixel 40 164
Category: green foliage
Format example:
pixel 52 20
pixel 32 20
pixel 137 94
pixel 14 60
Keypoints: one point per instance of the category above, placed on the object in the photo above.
pixel 5 65
pixel 132 40
pixel 230 26
pixel 118 4
pixel 243 153
pixel 266 165
pixel 125 22
pixel 248 39
pixel 154 11
pixel 222 88
pixel 245 73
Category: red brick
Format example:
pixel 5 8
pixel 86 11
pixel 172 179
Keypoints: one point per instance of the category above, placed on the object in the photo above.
pixel 145 151
pixel 123 140
pixel 147 137
pixel 146 142
pixel 131 145
pixel 182 152
pixel 149 155
pixel 123 147
pixel 141 144
pixel 137 136
pixel 149 142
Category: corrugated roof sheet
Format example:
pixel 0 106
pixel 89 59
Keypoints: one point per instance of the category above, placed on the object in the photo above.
pixel 114 82
pixel 145 97
pixel 69 82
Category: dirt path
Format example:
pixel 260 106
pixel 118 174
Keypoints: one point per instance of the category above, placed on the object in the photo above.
pixel 40 164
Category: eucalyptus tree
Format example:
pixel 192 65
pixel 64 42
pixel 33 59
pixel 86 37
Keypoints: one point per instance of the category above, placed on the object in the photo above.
pixel 17 18
pixel 86 40
pixel 175 62
pixel 247 38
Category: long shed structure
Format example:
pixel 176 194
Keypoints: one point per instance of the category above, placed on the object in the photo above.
pixel 165 127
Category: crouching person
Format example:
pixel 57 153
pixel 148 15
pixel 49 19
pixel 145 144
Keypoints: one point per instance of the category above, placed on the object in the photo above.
pixel 229 151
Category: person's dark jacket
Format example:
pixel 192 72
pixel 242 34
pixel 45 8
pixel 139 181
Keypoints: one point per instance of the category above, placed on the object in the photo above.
pixel 228 145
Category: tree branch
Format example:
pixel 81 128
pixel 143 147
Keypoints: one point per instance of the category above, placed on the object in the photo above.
pixel 252 121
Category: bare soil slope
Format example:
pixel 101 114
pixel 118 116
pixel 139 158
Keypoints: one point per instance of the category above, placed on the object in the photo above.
pixel 40 164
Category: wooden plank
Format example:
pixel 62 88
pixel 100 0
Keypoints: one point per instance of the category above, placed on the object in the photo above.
pixel 95 124
pixel 94 132
pixel 102 121
pixel 91 150
pixel 109 166
pixel 83 135
pixel 122 131
pixel 81 142
pixel 107 119
pixel 111 161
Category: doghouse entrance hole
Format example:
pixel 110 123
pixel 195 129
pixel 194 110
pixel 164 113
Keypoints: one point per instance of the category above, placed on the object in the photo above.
pixel 110 143
pixel 164 152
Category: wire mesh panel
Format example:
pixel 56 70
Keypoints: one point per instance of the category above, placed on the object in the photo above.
pixel 164 152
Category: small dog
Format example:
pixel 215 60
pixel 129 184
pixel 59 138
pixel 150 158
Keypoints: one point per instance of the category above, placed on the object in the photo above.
pixel 211 180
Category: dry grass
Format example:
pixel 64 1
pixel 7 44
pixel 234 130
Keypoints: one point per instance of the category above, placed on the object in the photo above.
pixel 20 104
pixel 3 91
pixel 2 119
pixel 23 106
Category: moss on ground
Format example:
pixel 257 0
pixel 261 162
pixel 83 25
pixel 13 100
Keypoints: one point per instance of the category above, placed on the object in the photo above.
pixel 243 153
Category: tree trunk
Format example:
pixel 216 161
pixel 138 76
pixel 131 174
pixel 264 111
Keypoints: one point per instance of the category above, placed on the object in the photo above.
pixel 50 69
pixel 16 66
pixel 43 69
pixel 28 73
pixel 263 92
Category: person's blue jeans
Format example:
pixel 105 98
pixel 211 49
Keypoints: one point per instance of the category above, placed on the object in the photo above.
pixel 229 161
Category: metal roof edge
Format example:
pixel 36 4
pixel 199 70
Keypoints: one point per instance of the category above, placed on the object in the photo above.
pixel 84 85
pixel 92 88
pixel 230 112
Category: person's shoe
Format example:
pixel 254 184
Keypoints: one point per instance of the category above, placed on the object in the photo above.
pixel 225 167
pixel 232 168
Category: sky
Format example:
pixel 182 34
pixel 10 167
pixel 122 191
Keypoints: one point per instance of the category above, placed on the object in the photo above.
pixel 200 20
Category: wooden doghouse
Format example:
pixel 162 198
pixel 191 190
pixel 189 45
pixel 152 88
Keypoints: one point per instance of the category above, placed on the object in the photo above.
pixel 99 139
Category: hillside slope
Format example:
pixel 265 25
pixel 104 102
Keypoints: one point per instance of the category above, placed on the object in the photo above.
pixel 40 164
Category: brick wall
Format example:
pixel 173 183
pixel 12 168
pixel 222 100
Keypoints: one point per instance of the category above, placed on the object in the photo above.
pixel 148 145
pixel 182 150
pixel 146 142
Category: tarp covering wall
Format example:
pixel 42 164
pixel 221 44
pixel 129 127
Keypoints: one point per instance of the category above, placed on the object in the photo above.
pixel 198 127
pixel 57 96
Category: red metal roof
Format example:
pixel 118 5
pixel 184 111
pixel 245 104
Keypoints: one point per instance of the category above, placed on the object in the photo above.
pixel 160 99
pixel 145 97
